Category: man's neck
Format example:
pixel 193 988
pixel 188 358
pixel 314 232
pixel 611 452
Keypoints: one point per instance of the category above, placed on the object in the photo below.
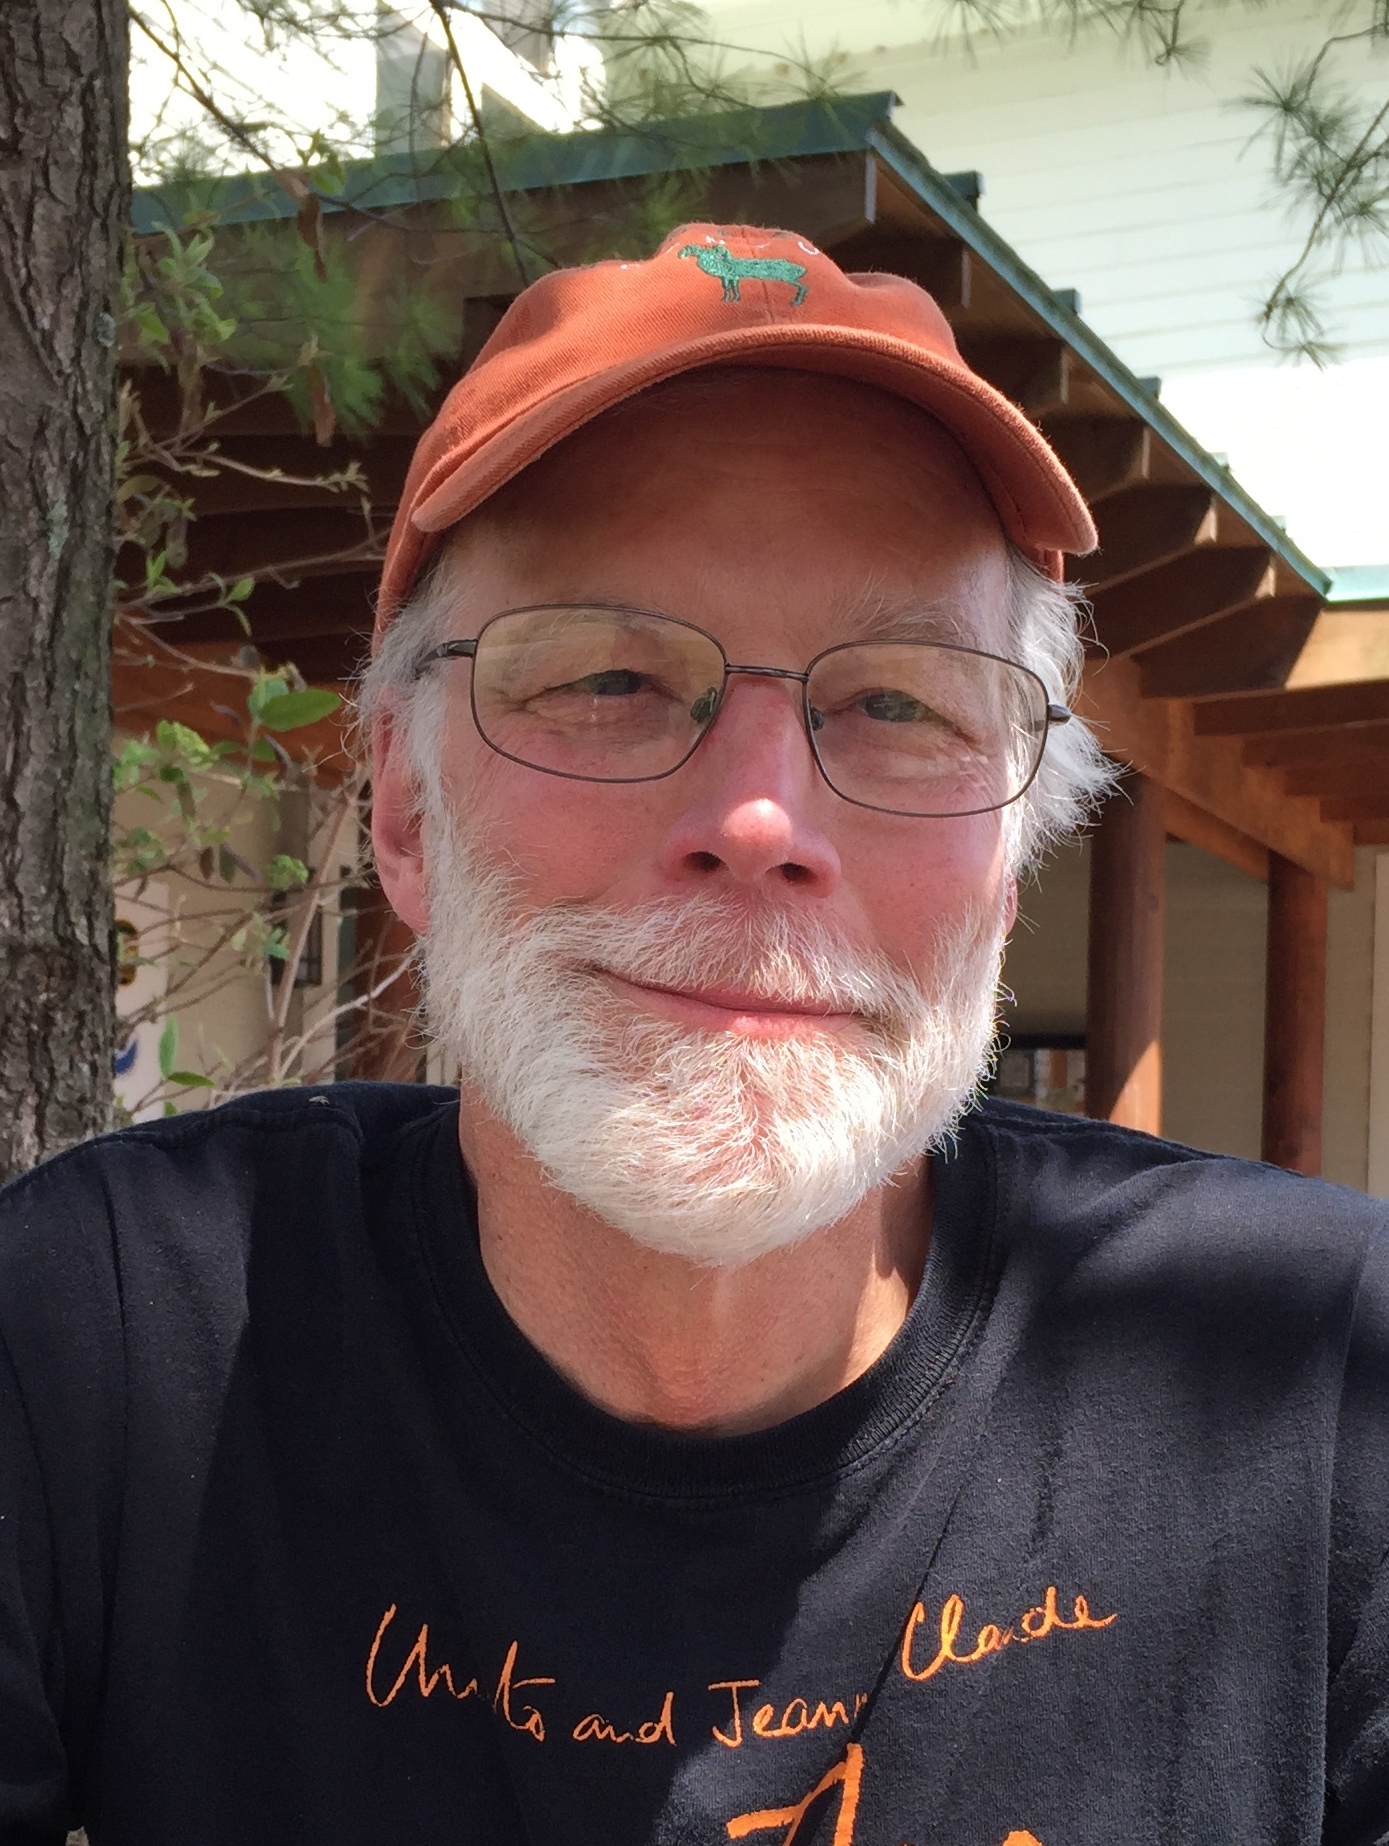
pixel 657 1339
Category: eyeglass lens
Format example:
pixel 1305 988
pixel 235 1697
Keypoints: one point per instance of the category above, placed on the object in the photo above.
pixel 619 695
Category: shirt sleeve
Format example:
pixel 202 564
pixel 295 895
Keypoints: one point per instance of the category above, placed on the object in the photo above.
pixel 1357 1803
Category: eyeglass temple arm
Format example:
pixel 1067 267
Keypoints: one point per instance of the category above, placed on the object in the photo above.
pixel 450 650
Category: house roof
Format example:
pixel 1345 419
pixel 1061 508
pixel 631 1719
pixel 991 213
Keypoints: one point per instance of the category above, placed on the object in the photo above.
pixel 1198 595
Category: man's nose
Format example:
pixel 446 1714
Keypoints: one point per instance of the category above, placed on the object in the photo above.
pixel 755 797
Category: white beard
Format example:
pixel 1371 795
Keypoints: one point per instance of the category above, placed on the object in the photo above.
pixel 701 1144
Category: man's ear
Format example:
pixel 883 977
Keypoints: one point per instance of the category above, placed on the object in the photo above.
pixel 397 832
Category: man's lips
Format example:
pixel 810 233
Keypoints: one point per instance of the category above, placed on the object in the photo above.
pixel 734 1011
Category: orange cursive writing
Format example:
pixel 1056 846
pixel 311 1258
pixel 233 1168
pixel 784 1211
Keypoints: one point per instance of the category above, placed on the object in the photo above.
pixel 530 1719
pixel 848 1775
pixel 793 1718
pixel 798 1716
pixel 1034 1625
pixel 733 1687
pixel 418 1658
pixel 595 1728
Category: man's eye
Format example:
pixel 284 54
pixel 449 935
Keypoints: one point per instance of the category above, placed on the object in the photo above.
pixel 895 708
pixel 615 683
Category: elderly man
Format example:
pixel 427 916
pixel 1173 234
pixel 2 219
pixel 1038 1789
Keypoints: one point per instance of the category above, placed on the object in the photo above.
pixel 712 1424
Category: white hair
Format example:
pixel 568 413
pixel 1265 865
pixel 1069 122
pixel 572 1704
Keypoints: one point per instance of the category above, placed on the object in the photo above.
pixel 711 1146
pixel 1043 634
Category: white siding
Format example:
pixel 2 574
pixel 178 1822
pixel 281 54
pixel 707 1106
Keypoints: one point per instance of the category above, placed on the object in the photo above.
pixel 1137 185
pixel 1141 188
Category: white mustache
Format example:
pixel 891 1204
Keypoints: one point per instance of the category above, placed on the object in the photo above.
pixel 700 942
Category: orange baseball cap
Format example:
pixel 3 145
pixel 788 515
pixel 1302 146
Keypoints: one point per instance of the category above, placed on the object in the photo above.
pixel 580 340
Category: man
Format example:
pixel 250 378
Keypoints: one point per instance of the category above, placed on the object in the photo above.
pixel 710 1425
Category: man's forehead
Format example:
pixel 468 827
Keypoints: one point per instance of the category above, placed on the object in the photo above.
pixel 829 497
pixel 818 428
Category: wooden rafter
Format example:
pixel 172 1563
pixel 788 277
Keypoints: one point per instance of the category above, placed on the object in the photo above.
pixel 1312 708
pixel 1182 594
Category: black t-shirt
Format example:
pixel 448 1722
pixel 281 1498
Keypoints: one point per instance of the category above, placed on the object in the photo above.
pixel 301 1541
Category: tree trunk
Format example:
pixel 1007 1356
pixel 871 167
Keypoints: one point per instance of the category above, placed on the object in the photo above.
pixel 64 196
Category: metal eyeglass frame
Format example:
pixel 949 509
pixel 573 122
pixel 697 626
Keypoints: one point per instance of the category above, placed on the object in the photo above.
pixel 467 650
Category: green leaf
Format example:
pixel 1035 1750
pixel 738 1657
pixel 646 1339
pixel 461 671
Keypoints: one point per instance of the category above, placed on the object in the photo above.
pixel 263 752
pixel 241 589
pixel 264 691
pixel 168 1046
pixel 182 740
pixel 285 873
pixel 190 1079
pixel 292 709
pixel 149 326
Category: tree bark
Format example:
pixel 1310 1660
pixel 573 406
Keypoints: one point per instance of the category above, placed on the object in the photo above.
pixel 64 199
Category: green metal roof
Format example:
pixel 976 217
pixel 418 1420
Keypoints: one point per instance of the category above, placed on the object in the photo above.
pixel 1359 583
pixel 535 162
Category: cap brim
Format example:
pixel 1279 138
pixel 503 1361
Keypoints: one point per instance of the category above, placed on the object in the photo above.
pixel 1038 505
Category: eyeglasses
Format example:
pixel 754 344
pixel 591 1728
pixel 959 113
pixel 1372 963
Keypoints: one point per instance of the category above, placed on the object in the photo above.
pixel 603 693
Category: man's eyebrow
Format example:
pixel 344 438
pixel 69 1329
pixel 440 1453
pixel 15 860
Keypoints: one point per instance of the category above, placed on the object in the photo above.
pixel 875 617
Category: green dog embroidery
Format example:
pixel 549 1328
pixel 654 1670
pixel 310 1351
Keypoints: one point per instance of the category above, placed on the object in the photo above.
pixel 718 260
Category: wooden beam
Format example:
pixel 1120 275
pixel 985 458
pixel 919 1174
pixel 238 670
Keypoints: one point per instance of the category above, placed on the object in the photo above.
pixel 1123 1008
pixel 1143 527
pixel 1294 1017
pixel 241 407
pixel 1178 596
pixel 1345 644
pixel 1355 809
pixel 209 703
pixel 384 461
pixel 1102 454
pixel 1035 374
pixel 1372 832
pixel 1160 738
pixel 943 266
pixel 277 612
pixel 328 659
pixel 1249 649
pixel 298 543
pixel 1185 821
pixel 1359 775
pixel 1286 749
pixel 386 1045
pixel 830 199
pixel 1312 708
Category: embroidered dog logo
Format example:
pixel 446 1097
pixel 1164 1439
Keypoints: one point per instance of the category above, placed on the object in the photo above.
pixel 718 260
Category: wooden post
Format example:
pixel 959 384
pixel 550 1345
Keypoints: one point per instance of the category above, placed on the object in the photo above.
pixel 1294 1016
pixel 1123 1015
pixel 385 1046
